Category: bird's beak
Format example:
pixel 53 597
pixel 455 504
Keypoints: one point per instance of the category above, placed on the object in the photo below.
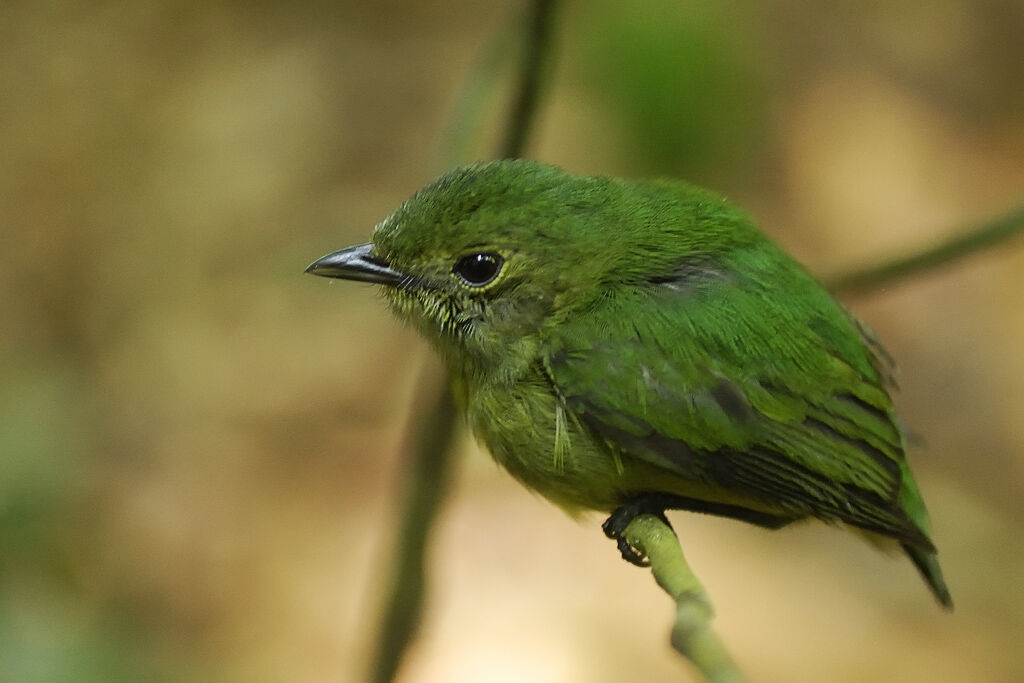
pixel 356 263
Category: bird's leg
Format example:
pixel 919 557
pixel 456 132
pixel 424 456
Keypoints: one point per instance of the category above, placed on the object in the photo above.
pixel 615 525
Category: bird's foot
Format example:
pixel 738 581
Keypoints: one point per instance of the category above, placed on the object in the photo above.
pixel 615 526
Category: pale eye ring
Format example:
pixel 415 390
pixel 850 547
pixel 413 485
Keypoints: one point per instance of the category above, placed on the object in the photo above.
pixel 478 270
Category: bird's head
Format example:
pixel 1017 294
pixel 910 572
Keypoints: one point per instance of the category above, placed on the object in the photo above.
pixel 485 257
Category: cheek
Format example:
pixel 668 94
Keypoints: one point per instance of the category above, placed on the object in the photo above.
pixel 520 314
pixel 420 310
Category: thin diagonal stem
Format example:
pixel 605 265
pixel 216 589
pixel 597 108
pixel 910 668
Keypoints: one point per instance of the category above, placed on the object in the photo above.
pixel 969 242
pixel 527 96
pixel 427 474
pixel 430 464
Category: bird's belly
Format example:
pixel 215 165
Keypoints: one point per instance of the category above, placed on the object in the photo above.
pixel 542 445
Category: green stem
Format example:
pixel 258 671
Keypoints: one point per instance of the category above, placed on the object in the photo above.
pixel 427 474
pixel 692 635
pixel 527 97
pixel 988 235
pixel 430 461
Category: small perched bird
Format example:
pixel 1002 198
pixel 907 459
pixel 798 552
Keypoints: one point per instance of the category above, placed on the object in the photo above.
pixel 638 346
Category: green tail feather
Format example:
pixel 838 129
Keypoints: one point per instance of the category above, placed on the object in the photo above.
pixel 928 564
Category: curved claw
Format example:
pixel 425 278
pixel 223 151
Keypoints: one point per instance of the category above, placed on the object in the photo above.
pixel 631 554
pixel 616 524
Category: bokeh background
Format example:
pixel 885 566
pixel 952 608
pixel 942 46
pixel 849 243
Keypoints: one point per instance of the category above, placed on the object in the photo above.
pixel 200 446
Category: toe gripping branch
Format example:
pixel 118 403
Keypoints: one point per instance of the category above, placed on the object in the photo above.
pixel 642 518
pixel 615 526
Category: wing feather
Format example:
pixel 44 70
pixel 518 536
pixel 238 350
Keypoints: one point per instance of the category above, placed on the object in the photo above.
pixel 725 384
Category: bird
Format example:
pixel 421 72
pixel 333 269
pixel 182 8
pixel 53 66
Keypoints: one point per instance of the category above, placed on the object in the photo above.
pixel 637 346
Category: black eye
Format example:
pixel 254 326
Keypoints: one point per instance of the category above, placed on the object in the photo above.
pixel 477 270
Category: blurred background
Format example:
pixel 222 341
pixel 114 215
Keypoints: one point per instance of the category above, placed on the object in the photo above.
pixel 200 446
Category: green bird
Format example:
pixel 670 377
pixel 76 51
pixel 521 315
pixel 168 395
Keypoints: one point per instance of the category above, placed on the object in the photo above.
pixel 638 346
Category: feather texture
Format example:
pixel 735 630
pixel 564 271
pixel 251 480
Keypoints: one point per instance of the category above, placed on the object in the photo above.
pixel 618 339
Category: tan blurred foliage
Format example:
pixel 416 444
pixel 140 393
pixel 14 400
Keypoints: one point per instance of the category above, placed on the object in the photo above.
pixel 198 454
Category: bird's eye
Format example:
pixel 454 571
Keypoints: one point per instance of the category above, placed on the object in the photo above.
pixel 477 270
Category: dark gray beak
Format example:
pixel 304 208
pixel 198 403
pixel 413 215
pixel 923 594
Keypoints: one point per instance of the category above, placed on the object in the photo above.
pixel 355 263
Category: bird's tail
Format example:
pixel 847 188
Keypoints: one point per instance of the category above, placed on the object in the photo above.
pixel 928 564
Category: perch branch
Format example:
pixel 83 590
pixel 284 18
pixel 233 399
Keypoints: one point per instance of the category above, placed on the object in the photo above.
pixel 692 635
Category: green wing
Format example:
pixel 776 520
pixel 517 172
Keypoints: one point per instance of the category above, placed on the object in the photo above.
pixel 762 389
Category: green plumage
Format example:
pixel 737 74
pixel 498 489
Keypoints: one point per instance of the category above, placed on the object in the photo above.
pixel 613 341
